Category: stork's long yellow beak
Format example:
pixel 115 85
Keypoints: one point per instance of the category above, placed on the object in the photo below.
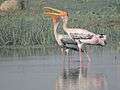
pixel 54 12
pixel 52 9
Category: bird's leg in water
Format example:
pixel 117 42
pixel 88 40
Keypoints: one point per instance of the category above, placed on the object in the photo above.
pixel 80 51
pixel 62 51
pixel 63 57
pixel 67 52
pixel 89 54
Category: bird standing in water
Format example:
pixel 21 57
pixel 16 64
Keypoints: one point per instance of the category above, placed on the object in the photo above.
pixel 63 40
pixel 82 36
pixel 78 35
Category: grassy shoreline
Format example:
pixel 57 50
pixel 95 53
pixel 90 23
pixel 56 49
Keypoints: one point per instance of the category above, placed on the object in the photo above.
pixel 22 28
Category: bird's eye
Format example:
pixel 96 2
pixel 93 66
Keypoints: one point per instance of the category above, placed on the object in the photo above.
pixel 101 36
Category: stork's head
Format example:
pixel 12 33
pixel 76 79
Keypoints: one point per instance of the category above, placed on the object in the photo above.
pixel 55 14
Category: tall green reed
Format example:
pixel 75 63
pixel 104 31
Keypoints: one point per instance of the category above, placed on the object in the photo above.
pixel 30 27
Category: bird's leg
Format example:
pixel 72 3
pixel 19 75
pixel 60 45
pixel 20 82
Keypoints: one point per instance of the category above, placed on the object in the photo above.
pixel 89 59
pixel 86 52
pixel 80 51
pixel 63 57
pixel 62 51
pixel 69 59
pixel 89 54
pixel 67 51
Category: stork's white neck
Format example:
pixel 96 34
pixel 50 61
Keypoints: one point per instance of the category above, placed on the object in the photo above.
pixel 65 21
pixel 55 25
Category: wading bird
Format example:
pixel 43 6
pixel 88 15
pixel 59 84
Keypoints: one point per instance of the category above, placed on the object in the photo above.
pixel 63 40
pixel 78 35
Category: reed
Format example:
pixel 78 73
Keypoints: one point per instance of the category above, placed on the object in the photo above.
pixel 29 27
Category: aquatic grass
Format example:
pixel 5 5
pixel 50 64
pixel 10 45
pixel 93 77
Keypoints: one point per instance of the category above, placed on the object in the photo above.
pixel 26 51
pixel 30 27
pixel 24 30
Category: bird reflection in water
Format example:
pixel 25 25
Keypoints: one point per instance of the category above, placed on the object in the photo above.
pixel 78 78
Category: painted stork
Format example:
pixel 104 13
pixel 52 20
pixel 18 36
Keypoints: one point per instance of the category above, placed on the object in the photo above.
pixel 78 35
pixel 63 40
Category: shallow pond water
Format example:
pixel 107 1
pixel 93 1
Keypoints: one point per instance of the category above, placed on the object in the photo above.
pixel 35 69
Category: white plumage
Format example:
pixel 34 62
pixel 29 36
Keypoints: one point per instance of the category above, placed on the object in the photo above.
pixel 83 36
